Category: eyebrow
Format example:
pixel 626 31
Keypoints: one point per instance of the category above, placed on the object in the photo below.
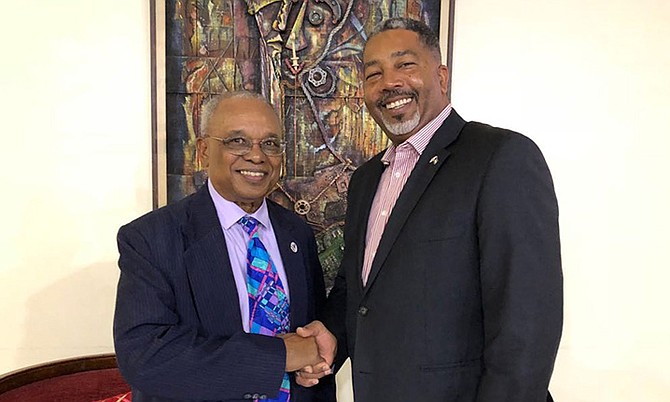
pixel 397 54
pixel 240 133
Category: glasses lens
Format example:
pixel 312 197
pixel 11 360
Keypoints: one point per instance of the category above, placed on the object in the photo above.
pixel 237 145
pixel 272 146
pixel 241 146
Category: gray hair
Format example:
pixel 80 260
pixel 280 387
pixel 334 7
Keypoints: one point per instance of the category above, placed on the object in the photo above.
pixel 210 105
pixel 426 35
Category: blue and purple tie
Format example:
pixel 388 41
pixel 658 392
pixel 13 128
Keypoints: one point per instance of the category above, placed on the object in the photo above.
pixel 268 304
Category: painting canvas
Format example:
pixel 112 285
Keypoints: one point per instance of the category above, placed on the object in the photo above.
pixel 305 57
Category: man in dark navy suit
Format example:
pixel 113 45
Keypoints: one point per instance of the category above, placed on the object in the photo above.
pixel 184 326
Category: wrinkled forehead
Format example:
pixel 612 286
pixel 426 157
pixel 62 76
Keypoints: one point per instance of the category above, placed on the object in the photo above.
pixel 248 117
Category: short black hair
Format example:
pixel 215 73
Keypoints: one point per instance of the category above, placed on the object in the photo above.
pixel 426 35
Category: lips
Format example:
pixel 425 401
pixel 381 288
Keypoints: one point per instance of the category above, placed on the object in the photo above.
pixel 392 100
pixel 397 104
pixel 252 174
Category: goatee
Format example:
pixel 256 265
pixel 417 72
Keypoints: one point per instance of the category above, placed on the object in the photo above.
pixel 401 127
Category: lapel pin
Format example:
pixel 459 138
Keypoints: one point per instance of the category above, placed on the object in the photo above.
pixel 434 160
pixel 294 247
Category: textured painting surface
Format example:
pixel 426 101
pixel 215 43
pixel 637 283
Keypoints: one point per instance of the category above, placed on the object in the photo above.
pixel 304 56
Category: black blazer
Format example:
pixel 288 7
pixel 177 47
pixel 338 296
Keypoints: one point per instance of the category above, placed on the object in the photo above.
pixel 464 298
pixel 177 325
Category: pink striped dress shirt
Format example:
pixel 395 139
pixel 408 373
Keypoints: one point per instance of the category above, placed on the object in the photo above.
pixel 400 161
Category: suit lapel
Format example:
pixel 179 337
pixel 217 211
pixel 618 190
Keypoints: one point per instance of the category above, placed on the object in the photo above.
pixel 292 255
pixel 430 162
pixel 370 178
pixel 208 268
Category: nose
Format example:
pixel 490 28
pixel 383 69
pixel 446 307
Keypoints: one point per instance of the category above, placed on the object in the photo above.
pixel 391 79
pixel 255 154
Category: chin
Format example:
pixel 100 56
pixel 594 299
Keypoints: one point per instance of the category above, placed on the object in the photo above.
pixel 254 197
pixel 403 128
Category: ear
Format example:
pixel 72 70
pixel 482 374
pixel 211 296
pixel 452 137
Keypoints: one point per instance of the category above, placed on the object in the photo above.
pixel 443 72
pixel 203 152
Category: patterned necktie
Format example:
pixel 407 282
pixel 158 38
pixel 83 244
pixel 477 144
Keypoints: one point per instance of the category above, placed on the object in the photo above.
pixel 268 304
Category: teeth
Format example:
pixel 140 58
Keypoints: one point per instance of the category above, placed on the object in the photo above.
pixel 398 103
pixel 250 173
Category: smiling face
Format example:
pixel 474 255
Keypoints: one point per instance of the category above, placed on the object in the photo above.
pixel 244 180
pixel 405 84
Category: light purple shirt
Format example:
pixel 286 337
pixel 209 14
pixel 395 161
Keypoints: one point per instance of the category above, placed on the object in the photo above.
pixel 236 243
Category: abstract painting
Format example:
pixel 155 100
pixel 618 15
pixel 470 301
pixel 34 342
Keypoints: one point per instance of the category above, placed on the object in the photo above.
pixel 304 56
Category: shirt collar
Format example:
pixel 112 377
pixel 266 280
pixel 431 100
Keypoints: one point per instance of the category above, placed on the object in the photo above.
pixel 419 141
pixel 229 213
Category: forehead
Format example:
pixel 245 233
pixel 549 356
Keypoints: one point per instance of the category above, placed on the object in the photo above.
pixel 392 43
pixel 248 116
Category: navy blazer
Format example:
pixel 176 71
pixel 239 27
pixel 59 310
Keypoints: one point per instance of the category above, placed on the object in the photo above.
pixel 177 326
pixel 464 298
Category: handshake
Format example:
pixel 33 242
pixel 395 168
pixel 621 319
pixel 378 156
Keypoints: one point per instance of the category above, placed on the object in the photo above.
pixel 310 352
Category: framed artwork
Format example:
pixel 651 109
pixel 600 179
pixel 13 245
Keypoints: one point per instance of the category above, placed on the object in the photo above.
pixel 304 56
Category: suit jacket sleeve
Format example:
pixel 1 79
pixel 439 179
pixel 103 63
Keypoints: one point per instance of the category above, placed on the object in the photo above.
pixel 162 355
pixel 521 279
pixel 334 317
pixel 324 391
pixel 335 313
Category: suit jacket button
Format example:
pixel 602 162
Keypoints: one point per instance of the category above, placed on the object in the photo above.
pixel 363 311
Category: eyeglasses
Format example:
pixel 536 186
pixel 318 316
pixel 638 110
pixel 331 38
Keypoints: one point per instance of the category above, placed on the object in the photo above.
pixel 241 146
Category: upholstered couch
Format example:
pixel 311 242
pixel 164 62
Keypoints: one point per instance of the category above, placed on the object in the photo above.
pixel 79 379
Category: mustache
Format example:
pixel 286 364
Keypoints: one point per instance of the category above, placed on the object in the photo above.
pixel 388 94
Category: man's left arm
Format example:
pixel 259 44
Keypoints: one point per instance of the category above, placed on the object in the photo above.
pixel 322 380
pixel 521 278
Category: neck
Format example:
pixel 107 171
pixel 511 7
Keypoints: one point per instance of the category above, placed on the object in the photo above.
pixel 249 207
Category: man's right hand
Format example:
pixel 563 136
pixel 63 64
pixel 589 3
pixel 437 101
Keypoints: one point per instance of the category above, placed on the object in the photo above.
pixel 300 351
pixel 309 375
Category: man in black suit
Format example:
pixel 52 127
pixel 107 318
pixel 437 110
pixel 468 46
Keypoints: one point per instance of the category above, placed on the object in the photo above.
pixel 450 288
pixel 184 317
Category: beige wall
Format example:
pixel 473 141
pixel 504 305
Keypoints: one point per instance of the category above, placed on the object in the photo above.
pixel 75 165
pixel 587 80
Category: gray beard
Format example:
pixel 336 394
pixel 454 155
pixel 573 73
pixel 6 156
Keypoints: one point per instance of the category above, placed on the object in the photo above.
pixel 403 127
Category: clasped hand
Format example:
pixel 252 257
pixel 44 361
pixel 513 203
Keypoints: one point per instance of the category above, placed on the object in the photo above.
pixel 310 352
